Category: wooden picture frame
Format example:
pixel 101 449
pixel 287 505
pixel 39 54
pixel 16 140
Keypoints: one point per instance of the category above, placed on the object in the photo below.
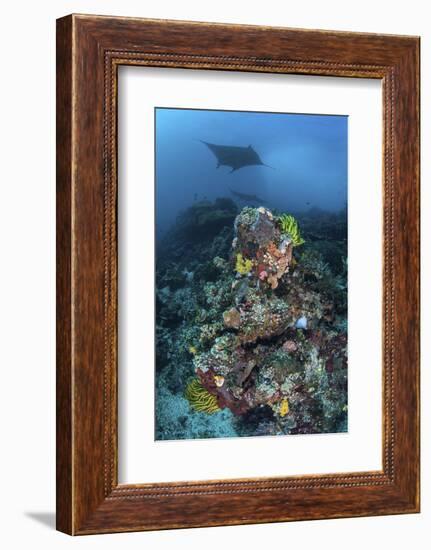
pixel 89 52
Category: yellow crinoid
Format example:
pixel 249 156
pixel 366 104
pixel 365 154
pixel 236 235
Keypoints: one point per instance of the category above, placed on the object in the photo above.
pixel 200 399
pixel 289 225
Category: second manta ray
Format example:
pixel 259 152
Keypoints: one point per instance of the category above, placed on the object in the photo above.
pixel 235 157
pixel 246 197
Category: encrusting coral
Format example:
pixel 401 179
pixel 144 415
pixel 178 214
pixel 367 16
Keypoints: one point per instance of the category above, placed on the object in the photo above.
pixel 243 266
pixel 284 407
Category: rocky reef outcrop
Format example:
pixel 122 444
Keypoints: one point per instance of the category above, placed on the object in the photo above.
pixel 254 329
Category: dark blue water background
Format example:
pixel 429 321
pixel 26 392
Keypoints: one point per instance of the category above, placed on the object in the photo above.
pixel 308 154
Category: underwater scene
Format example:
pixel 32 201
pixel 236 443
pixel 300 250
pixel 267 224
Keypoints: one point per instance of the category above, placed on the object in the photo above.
pixel 251 274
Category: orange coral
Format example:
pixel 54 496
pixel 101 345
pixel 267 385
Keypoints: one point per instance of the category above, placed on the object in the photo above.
pixel 273 250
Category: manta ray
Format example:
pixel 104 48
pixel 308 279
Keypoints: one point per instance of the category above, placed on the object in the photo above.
pixel 246 197
pixel 235 157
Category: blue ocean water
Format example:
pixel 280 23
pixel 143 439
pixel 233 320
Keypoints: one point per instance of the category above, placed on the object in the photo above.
pixel 251 273
pixel 308 154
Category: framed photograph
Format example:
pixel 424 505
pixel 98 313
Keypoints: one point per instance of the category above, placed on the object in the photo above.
pixel 237 274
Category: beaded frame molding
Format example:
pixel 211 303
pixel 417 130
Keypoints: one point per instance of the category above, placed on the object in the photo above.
pixel 89 51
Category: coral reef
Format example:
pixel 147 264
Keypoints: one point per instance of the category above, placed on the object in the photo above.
pixel 251 327
pixel 205 219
